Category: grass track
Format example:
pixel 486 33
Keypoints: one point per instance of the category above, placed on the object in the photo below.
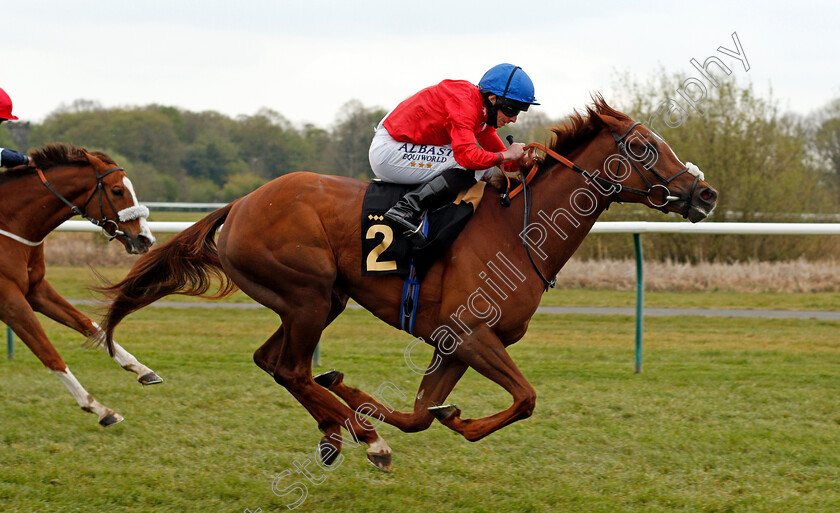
pixel 75 283
pixel 733 415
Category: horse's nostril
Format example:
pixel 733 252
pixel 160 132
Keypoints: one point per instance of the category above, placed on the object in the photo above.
pixel 708 195
pixel 145 240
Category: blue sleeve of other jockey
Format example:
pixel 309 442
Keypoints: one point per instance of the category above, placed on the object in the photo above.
pixel 10 158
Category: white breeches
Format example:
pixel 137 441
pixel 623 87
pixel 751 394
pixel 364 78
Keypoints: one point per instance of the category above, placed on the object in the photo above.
pixel 406 163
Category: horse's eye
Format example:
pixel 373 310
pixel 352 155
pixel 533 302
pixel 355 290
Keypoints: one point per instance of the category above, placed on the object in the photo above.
pixel 117 191
pixel 644 147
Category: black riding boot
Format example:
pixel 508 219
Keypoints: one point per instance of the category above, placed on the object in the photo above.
pixel 408 211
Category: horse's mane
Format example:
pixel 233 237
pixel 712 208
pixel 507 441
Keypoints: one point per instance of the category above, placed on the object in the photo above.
pixel 57 154
pixel 54 155
pixel 576 131
pixel 579 129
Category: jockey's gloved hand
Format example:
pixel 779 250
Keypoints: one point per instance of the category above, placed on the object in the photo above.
pixel 514 152
pixel 527 160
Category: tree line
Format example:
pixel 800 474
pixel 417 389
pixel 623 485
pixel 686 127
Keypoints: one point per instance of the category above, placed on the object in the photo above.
pixel 768 165
pixel 177 155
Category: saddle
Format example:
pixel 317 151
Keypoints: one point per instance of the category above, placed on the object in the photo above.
pixel 385 251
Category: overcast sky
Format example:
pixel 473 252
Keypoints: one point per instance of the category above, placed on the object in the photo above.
pixel 306 58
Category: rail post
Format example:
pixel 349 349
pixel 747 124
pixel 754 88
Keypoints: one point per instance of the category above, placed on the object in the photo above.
pixel 10 343
pixel 640 299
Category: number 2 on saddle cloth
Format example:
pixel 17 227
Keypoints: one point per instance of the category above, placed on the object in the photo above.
pixel 385 253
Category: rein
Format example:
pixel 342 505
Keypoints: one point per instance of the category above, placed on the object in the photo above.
pixel 616 187
pixel 546 283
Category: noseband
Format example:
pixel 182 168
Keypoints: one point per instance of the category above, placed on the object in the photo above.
pixel 105 223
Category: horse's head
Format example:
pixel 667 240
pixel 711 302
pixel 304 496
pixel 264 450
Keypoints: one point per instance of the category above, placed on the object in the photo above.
pixel 114 206
pixel 646 170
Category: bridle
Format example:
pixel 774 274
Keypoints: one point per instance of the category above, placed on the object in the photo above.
pixel 616 187
pixel 668 197
pixel 610 185
pixel 109 226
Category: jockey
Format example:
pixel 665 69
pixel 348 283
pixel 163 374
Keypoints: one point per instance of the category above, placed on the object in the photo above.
pixel 444 137
pixel 10 158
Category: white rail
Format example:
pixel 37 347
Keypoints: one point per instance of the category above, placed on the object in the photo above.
pixel 600 227
pixel 719 228
pixel 155 226
pixel 165 205
pixel 636 228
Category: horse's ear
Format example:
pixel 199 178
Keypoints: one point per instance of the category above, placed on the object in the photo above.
pixel 606 121
pixel 94 161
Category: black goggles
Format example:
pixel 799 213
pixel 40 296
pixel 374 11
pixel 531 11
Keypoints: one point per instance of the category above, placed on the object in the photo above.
pixel 509 110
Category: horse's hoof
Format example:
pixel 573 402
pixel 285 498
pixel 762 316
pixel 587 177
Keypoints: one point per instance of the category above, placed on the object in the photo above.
pixel 443 411
pixel 150 379
pixel 328 379
pixel 327 452
pixel 109 419
pixel 380 461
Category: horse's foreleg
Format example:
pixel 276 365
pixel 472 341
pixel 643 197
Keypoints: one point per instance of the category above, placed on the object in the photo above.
pixel 434 389
pixel 18 315
pixel 484 352
pixel 44 298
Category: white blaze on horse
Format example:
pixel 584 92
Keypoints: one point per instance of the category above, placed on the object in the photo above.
pixel 65 181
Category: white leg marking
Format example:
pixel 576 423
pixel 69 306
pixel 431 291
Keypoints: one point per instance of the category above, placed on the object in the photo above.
pixel 76 390
pixel 379 447
pixel 84 399
pixel 125 359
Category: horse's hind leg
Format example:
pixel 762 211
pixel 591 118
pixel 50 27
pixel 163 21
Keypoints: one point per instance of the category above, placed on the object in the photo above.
pixel 266 356
pixel 290 349
pixel 44 298
pixel 435 387
pixel 18 315
pixel 287 356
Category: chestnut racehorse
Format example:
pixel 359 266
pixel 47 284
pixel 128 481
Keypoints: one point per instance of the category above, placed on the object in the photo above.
pixel 294 246
pixel 65 181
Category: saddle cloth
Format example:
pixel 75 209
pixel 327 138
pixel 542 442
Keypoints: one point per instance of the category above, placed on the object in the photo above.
pixel 384 249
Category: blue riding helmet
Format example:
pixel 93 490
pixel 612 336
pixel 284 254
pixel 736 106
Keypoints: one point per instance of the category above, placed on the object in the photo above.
pixel 510 84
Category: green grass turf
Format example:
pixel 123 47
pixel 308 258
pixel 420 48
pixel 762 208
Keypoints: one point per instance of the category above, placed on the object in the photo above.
pixel 75 283
pixel 734 415
pixel 711 299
